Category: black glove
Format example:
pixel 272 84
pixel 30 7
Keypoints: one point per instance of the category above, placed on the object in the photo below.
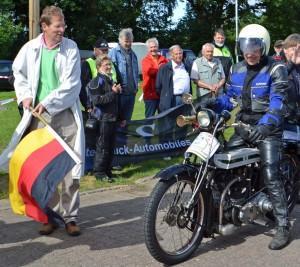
pixel 208 103
pixel 242 132
pixel 259 132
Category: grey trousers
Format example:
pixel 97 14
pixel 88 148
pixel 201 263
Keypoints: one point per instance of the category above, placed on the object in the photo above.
pixel 65 201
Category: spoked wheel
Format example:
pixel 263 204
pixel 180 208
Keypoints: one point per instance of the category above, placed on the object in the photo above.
pixel 172 233
pixel 288 168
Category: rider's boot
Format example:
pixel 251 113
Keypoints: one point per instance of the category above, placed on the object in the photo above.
pixel 270 152
pixel 281 238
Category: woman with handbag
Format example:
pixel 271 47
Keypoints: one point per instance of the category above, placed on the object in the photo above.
pixel 104 97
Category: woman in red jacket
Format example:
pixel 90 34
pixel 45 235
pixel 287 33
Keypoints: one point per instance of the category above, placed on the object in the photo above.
pixel 150 65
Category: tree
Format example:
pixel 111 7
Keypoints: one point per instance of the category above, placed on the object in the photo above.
pixel 10 31
pixel 281 18
pixel 204 16
pixel 87 20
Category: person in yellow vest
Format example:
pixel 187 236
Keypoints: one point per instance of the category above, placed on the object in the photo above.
pixel 221 51
pixel 89 69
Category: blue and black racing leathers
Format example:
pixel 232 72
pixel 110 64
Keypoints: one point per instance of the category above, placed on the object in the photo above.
pixel 261 92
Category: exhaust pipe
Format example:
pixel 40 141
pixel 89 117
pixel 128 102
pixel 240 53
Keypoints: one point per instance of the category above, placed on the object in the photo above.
pixel 227 229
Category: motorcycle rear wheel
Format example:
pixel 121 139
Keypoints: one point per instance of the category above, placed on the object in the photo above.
pixel 289 170
pixel 169 236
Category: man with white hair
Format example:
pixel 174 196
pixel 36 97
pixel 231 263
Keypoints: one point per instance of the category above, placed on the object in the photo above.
pixel 172 80
pixel 208 74
pixel 125 61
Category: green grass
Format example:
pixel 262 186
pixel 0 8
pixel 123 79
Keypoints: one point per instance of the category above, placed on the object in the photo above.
pixel 9 118
pixel 139 107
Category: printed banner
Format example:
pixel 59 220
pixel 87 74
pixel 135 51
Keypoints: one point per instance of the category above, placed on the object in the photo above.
pixel 154 137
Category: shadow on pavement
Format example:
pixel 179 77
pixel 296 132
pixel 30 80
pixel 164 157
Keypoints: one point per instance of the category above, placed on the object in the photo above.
pixel 104 226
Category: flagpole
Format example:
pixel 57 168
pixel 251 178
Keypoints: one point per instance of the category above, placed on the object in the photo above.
pixel 236 30
pixel 6 101
pixel 57 137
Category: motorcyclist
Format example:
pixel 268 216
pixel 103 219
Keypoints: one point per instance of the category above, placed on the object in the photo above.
pixel 259 85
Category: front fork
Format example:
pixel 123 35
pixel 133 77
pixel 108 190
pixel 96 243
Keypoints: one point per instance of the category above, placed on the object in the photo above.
pixel 202 180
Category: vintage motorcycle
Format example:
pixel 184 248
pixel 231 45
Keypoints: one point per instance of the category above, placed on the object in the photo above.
pixel 216 190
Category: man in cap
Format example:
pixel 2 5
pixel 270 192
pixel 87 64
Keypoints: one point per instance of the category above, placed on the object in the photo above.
pixel 279 54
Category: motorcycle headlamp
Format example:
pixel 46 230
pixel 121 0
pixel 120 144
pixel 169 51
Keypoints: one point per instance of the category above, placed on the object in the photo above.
pixel 203 118
pixel 251 45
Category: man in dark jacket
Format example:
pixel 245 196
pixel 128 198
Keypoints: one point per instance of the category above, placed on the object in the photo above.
pixel 104 94
pixel 260 85
pixel 279 54
pixel 291 47
pixel 172 80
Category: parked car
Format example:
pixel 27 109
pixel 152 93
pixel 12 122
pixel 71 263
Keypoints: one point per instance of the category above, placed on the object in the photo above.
pixel 6 74
pixel 188 56
pixel 84 54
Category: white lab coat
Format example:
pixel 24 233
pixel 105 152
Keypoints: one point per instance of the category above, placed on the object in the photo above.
pixel 26 68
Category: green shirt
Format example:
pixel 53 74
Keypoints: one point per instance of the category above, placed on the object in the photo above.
pixel 49 78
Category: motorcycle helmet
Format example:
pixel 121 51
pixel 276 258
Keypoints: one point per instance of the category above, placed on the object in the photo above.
pixel 254 37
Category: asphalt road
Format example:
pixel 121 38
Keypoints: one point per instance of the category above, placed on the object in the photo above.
pixel 112 235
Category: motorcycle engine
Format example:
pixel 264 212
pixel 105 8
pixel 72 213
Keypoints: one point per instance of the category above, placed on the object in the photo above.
pixel 236 209
pixel 255 208
pixel 235 198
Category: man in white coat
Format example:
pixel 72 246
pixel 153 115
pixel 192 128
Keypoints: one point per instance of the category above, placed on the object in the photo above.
pixel 47 77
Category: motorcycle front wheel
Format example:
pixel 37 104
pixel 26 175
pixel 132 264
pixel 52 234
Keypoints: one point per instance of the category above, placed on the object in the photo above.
pixel 172 234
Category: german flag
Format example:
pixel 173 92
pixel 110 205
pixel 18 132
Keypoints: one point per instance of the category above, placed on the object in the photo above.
pixel 38 164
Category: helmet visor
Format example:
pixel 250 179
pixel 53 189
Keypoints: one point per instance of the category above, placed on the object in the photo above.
pixel 251 45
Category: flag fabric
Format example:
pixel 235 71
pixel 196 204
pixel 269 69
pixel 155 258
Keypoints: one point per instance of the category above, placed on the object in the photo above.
pixel 37 165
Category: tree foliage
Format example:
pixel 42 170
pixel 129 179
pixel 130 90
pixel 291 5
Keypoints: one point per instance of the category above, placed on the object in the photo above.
pixel 204 16
pixel 10 31
pixel 281 18
pixel 87 20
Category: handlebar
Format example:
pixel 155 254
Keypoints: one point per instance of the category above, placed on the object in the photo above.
pixel 241 124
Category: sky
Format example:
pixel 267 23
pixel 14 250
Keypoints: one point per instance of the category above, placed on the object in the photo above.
pixel 179 11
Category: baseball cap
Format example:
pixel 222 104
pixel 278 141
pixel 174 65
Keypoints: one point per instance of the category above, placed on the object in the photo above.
pixel 101 44
pixel 278 43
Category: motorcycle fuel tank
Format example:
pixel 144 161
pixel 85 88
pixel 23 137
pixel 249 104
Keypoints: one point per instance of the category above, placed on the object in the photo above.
pixel 236 158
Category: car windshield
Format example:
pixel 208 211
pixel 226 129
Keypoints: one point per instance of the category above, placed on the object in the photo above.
pixel 5 68
pixel 190 54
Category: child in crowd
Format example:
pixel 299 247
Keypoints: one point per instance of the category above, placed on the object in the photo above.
pixel 104 97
